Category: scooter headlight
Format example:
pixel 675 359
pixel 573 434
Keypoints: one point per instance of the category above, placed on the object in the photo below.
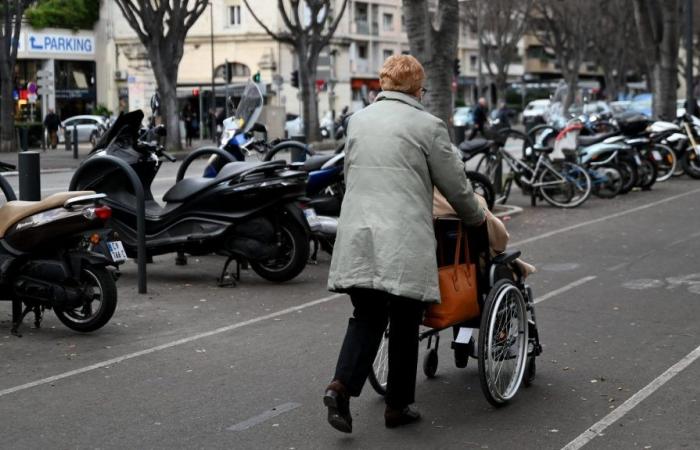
pixel 226 136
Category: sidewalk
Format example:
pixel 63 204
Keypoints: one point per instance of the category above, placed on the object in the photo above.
pixel 60 160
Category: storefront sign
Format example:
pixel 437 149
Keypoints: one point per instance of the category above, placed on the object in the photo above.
pixel 65 44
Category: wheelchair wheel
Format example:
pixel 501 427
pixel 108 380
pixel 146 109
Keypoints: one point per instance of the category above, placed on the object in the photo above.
pixel 430 363
pixel 380 367
pixel 503 342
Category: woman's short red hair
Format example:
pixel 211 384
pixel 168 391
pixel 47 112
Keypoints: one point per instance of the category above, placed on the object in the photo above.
pixel 402 73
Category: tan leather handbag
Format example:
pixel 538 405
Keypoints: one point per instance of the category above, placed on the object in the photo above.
pixel 458 293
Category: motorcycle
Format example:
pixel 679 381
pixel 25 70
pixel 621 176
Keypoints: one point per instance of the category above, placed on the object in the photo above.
pixel 57 254
pixel 690 149
pixel 248 212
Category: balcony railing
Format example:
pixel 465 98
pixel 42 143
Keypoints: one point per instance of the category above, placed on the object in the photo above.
pixel 361 27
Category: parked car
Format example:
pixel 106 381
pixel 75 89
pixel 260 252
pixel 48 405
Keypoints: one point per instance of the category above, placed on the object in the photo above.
pixel 534 112
pixel 294 126
pixel 642 104
pixel 620 107
pixel 463 116
pixel 89 127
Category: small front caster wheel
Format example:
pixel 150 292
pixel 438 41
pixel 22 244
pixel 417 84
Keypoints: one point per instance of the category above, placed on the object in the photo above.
pixel 430 363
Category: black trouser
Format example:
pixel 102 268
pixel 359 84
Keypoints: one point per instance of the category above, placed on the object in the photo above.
pixel 373 310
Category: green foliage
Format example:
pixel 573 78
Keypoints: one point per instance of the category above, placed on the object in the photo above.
pixel 102 110
pixel 73 14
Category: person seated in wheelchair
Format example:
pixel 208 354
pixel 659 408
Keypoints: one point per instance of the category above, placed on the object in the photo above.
pixel 497 232
pixel 498 240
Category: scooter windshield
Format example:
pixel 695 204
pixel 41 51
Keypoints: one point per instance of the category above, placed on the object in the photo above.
pixel 249 108
pixel 126 124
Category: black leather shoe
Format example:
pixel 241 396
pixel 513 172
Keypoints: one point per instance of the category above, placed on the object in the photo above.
pixel 338 403
pixel 396 417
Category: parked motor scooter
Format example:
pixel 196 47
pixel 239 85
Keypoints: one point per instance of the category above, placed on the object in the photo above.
pixel 248 212
pixel 57 254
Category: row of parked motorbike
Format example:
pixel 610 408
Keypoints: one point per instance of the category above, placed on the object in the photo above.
pixel 563 162
pixel 627 152
pixel 63 252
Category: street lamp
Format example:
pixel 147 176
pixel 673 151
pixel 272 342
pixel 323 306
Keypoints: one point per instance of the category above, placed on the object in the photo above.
pixel 213 87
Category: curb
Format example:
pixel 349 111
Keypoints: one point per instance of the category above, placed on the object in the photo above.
pixel 44 171
pixel 502 211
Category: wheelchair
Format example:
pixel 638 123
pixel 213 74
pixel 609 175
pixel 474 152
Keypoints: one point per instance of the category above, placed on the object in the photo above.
pixel 508 340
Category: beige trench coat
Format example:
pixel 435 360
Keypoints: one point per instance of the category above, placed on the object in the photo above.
pixel 395 153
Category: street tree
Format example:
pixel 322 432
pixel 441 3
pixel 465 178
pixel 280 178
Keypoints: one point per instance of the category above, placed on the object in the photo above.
pixel 565 27
pixel 614 46
pixel 501 25
pixel 309 26
pixel 659 30
pixel 162 27
pixel 432 35
pixel 11 12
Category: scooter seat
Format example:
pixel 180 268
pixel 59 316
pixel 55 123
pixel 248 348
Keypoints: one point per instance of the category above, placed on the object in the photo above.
pixel 475 145
pixel 585 141
pixel 316 162
pixel 14 211
pixel 186 188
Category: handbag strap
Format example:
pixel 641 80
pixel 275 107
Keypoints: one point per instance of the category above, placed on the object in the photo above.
pixel 458 248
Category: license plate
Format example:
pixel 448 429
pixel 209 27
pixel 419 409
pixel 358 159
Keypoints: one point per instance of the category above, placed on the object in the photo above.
pixel 310 213
pixel 657 155
pixel 116 251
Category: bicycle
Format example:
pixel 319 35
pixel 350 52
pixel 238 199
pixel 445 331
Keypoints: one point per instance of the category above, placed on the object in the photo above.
pixel 560 183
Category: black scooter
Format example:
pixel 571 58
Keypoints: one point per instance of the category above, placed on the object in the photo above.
pixel 57 254
pixel 248 212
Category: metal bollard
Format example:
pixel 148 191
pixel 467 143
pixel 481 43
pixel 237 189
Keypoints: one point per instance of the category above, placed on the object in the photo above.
pixel 29 176
pixel 297 154
pixel 24 138
pixel 75 142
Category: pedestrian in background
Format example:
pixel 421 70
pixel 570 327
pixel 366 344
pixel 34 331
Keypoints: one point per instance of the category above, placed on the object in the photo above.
pixel 188 118
pixel 51 124
pixel 384 254
pixel 480 116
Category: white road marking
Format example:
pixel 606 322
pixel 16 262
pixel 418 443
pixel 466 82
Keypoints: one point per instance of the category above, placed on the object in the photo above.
pixel 167 345
pixel 601 219
pixel 597 428
pixel 565 288
pixel 225 329
pixel 267 415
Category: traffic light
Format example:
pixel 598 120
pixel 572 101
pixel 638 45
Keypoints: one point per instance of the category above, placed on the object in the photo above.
pixel 295 78
pixel 455 67
pixel 256 77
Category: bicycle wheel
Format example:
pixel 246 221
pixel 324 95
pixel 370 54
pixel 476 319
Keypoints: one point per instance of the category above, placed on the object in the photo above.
pixel 568 187
pixel 503 342
pixel 482 186
pixel 666 161
pixel 380 368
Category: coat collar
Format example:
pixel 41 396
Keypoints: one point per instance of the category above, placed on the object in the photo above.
pixel 400 96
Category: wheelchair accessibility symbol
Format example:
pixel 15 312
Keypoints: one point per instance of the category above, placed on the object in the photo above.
pixel 691 282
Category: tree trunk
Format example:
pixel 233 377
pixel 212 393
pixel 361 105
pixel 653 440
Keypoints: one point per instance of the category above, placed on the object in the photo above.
pixel 166 78
pixel 435 48
pixel 501 86
pixel 7 116
pixel 438 79
pixel 572 87
pixel 307 86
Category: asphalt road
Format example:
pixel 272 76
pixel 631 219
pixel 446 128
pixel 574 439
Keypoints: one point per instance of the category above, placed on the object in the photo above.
pixel 191 365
